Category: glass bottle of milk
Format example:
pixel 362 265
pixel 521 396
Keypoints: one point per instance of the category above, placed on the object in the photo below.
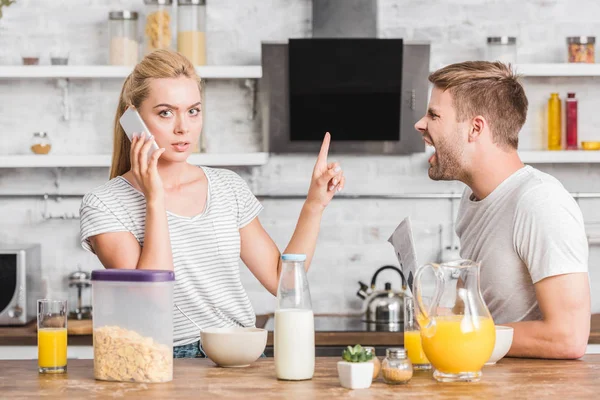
pixel 294 344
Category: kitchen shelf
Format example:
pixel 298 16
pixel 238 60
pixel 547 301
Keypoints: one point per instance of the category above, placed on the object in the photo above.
pixel 104 160
pixel 560 157
pixel 110 71
pixel 560 69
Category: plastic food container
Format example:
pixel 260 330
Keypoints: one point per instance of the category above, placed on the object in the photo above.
pixel 133 325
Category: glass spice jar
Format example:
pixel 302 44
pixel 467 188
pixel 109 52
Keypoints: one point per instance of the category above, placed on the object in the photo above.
pixel 375 361
pixel 502 48
pixel 396 368
pixel 581 49
pixel 40 143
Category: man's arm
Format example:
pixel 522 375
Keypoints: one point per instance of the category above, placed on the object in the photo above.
pixel 563 332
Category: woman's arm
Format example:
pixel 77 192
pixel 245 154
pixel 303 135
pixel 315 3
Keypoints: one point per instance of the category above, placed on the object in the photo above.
pixel 259 252
pixel 121 249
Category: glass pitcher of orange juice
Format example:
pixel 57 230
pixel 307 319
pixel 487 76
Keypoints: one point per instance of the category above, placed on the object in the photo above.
pixel 457 330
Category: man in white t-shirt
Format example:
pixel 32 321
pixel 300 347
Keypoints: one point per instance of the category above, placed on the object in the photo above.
pixel 520 223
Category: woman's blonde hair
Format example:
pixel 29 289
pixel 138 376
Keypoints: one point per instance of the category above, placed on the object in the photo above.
pixel 156 65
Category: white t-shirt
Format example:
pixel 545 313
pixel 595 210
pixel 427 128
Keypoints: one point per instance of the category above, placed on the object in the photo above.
pixel 529 228
pixel 206 247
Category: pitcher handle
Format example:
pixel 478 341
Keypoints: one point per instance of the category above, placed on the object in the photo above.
pixel 437 296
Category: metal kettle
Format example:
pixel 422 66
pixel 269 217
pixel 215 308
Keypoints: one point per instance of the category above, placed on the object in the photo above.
pixel 383 306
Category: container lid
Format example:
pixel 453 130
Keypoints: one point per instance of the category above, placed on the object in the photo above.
pixel 571 95
pixel 123 14
pixel 191 2
pixel 40 134
pixel 132 275
pixel 396 352
pixel 158 2
pixel 581 39
pixel 502 40
pixel 293 257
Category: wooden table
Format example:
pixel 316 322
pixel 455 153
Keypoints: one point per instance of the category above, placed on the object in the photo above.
pixel 197 378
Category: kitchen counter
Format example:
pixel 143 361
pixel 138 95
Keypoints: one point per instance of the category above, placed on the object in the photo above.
pixel 198 378
pixel 27 336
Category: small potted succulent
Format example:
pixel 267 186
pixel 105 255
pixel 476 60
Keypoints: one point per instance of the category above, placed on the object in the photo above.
pixel 356 371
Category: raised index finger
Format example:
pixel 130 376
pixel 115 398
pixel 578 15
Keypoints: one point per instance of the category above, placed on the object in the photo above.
pixel 324 148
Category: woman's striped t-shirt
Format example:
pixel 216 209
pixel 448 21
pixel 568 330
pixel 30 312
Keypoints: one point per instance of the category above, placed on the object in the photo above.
pixel 206 247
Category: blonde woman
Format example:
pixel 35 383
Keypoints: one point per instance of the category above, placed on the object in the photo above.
pixel 164 213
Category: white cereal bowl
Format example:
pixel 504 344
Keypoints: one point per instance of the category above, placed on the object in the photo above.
pixel 233 346
pixel 504 338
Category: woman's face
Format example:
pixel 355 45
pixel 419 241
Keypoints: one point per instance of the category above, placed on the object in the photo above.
pixel 173 114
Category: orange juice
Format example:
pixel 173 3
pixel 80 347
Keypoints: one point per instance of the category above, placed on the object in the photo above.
pixel 414 348
pixel 52 347
pixel 459 343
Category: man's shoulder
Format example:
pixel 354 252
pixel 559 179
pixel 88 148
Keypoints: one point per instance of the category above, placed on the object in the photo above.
pixel 540 189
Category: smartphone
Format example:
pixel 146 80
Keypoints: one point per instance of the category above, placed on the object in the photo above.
pixel 132 122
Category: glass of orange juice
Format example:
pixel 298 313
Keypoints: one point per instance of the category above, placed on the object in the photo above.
pixel 412 337
pixel 52 336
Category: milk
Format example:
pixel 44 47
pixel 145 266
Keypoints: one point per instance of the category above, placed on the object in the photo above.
pixel 294 344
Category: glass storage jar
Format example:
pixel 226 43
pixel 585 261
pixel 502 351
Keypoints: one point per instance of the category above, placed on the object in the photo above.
pixel 124 44
pixel 502 48
pixel 191 29
pixel 40 144
pixel 581 49
pixel 158 30
pixel 396 368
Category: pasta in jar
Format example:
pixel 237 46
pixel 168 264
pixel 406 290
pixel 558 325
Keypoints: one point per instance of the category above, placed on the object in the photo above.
pixel 157 32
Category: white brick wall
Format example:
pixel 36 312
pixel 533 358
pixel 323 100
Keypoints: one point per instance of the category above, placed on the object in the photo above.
pixel 354 234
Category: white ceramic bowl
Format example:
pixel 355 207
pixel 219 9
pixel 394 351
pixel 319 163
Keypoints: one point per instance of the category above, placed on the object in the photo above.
pixel 234 346
pixel 504 338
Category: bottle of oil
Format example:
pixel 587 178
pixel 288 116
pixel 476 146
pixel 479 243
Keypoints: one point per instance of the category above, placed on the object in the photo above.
pixel 554 122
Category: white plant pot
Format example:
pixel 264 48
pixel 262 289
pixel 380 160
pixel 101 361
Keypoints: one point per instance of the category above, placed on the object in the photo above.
pixel 355 375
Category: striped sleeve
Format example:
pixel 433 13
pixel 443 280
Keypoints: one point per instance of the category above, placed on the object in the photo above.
pixel 95 219
pixel 248 206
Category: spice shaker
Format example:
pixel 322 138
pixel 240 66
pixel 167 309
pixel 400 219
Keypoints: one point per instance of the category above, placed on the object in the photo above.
pixel 396 367
pixel 375 361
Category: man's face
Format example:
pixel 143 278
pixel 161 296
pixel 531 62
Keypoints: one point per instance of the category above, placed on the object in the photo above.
pixel 441 130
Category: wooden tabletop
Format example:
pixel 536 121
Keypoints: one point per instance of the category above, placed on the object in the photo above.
pixel 196 378
pixel 27 336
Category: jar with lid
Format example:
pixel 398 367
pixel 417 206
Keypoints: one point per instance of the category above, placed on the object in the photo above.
pixel 396 368
pixel 375 361
pixel 158 30
pixel 191 28
pixel 124 44
pixel 581 49
pixel 40 144
pixel 502 48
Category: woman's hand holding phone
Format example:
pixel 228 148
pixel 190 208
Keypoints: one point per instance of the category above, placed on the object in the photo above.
pixel 146 171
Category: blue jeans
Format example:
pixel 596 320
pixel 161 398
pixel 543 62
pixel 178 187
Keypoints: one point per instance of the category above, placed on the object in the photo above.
pixel 193 350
